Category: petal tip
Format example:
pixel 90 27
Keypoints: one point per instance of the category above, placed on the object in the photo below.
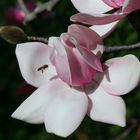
pixel 57 132
pixel 13 115
pixel 122 123
pixel 16 115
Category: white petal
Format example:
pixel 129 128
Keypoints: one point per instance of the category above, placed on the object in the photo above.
pixel 107 108
pixel 51 41
pixel 104 30
pixel 32 110
pixel 32 56
pixel 122 76
pixel 91 6
pixel 66 112
pixel 99 49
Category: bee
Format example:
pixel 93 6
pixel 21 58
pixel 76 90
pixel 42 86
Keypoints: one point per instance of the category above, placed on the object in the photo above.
pixel 42 68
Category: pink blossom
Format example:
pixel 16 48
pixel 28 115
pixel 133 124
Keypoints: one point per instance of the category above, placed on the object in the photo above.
pixel 75 58
pixel 94 12
pixel 61 104
pixel 15 15
pixel 75 55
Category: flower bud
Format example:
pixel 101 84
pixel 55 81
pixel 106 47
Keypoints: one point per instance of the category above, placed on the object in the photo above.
pixel 13 34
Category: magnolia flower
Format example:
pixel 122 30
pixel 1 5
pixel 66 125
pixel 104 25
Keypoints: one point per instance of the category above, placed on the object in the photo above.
pixel 94 12
pixel 76 56
pixel 71 83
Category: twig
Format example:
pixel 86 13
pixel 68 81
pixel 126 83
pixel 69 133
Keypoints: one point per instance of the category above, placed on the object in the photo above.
pixel 106 49
pixel 23 7
pixel 46 6
pixel 40 8
pixel 121 48
pixel 39 39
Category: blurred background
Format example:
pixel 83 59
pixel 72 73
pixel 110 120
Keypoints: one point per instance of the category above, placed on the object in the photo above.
pixel 14 90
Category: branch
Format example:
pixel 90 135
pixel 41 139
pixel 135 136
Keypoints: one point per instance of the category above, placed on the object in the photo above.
pixel 121 48
pixel 40 8
pixel 39 39
pixel 23 7
pixel 106 49
pixel 46 6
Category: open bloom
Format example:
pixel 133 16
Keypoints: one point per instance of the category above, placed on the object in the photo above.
pixel 62 71
pixel 97 12
pixel 77 55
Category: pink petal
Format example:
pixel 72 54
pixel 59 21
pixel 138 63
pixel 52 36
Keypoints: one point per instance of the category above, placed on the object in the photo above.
pixel 86 38
pixel 32 110
pixel 97 19
pixel 107 108
pixel 104 30
pixel 131 5
pixel 119 2
pixel 70 65
pixel 122 76
pixel 90 58
pixel 114 3
pixel 91 6
pixel 66 112
pixel 31 56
